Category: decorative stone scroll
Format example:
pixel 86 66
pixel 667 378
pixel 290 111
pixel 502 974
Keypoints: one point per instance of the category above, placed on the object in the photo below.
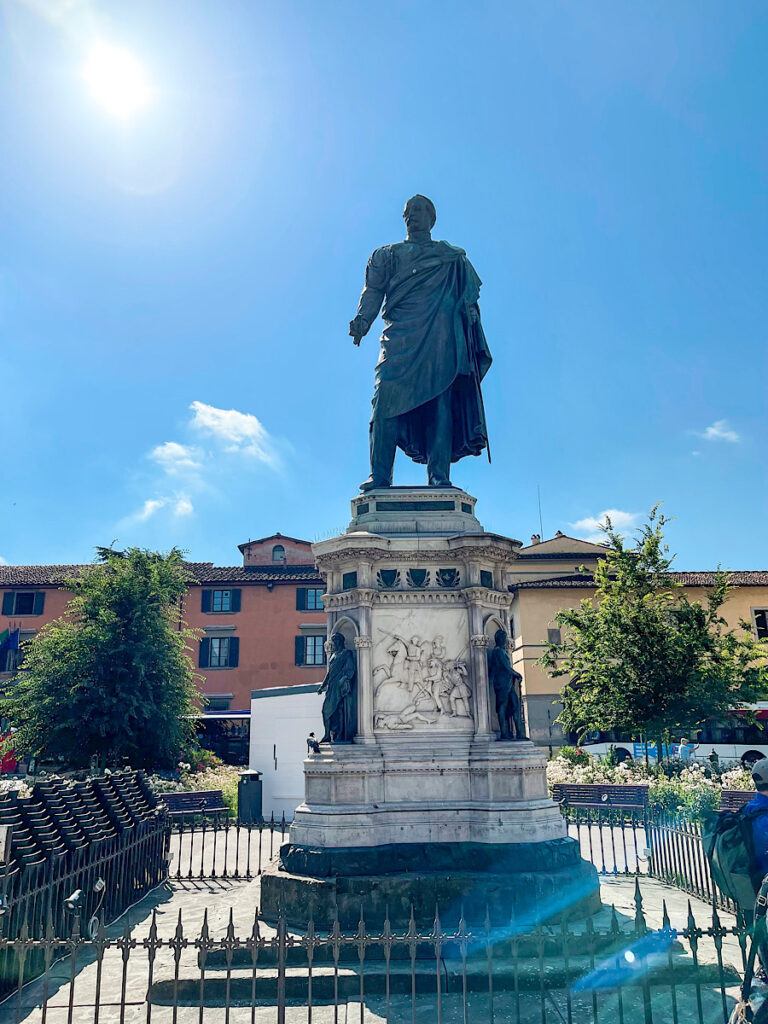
pixel 420 685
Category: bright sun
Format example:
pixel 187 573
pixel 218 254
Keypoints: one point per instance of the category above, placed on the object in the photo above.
pixel 116 79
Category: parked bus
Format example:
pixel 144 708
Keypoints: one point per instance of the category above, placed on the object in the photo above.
pixel 734 739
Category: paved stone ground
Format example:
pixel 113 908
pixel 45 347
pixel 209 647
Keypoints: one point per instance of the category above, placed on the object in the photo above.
pixel 236 898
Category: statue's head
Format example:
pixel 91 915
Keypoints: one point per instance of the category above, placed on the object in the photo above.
pixel 500 637
pixel 338 641
pixel 419 213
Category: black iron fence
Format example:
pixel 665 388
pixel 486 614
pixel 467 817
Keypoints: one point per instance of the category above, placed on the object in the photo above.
pixel 618 841
pixel 640 841
pixel 616 970
pixel 216 845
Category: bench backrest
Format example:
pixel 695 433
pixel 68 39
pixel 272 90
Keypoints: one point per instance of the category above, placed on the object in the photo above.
pixel 596 795
pixel 195 800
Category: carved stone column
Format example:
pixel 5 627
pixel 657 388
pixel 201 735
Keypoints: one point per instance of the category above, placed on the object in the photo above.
pixel 479 644
pixel 364 648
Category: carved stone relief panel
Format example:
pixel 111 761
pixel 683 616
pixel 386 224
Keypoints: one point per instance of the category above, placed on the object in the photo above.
pixel 421 679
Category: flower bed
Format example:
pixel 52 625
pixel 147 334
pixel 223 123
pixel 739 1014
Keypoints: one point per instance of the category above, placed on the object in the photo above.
pixel 688 789
pixel 191 778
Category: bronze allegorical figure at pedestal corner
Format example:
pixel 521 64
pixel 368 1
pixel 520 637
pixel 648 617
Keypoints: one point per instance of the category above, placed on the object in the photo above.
pixel 433 357
pixel 340 704
pixel 505 682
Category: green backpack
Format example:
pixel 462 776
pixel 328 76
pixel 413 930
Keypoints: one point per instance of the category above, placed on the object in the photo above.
pixel 730 851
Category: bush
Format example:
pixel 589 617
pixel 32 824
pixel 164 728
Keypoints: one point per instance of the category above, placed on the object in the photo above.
pixel 574 755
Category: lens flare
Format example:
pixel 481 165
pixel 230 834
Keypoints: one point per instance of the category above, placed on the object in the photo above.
pixel 117 80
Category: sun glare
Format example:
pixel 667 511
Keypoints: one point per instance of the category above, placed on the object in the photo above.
pixel 116 80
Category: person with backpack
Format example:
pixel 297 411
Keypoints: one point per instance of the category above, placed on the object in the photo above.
pixel 756 809
pixel 736 845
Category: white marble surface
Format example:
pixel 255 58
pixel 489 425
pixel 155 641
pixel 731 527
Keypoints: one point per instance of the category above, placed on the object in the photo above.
pixel 425 766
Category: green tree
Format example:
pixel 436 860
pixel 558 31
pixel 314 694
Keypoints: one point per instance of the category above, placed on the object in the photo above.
pixel 112 678
pixel 643 658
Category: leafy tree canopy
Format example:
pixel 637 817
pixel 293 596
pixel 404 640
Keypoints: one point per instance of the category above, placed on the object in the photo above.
pixel 112 678
pixel 643 658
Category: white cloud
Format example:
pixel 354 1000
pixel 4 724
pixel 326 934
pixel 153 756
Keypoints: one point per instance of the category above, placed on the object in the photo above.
pixel 183 475
pixel 3 561
pixel 183 506
pixel 148 509
pixel 240 431
pixel 696 453
pixel 720 431
pixel 177 458
pixel 179 504
pixel 589 528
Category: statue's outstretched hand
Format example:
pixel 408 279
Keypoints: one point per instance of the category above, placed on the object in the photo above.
pixel 358 328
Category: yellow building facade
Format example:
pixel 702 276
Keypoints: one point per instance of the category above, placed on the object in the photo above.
pixel 550 576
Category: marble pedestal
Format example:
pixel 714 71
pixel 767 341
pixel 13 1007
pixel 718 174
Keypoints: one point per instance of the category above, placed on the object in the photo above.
pixel 426 804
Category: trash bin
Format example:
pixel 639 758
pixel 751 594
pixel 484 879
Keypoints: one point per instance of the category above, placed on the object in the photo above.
pixel 249 797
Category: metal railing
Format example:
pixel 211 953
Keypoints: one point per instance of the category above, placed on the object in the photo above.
pixel 571 972
pixel 216 845
pixel 618 841
pixel 639 841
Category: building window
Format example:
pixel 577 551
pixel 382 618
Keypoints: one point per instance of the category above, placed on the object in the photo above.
pixel 314 650
pixel 554 636
pixel 761 623
pixel 23 602
pixel 218 601
pixel 309 599
pixel 486 579
pixel 12 648
pixel 217 703
pixel 278 553
pixel 310 650
pixel 219 652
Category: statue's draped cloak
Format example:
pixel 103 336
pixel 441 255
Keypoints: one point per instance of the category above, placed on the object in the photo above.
pixel 342 671
pixel 429 343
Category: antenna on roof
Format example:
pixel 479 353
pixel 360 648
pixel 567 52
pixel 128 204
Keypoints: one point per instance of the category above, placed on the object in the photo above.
pixel 538 495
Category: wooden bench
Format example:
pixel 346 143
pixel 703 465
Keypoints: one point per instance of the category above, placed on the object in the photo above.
pixel 735 799
pixel 201 801
pixel 596 795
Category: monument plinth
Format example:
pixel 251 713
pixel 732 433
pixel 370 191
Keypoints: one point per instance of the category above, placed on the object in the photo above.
pixel 426 803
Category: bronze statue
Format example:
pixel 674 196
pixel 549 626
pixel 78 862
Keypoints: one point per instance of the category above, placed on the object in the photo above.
pixel 434 355
pixel 505 682
pixel 340 704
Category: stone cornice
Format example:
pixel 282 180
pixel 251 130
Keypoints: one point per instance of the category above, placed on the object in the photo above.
pixel 456 549
pixel 415 597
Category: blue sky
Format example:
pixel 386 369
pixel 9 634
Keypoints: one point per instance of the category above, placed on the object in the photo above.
pixel 175 284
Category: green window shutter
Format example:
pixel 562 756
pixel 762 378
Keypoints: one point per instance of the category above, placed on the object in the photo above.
pixel 39 603
pixel 234 651
pixel 236 600
pixel 8 603
pixel 298 647
pixel 205 605
pixel 301 600
pixel 205 653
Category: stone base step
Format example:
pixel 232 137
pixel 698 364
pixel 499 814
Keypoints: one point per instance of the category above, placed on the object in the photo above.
pixel 244 988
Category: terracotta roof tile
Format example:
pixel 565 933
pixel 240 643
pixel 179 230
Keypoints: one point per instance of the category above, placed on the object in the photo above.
pixel 742 578
pixel 201 572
